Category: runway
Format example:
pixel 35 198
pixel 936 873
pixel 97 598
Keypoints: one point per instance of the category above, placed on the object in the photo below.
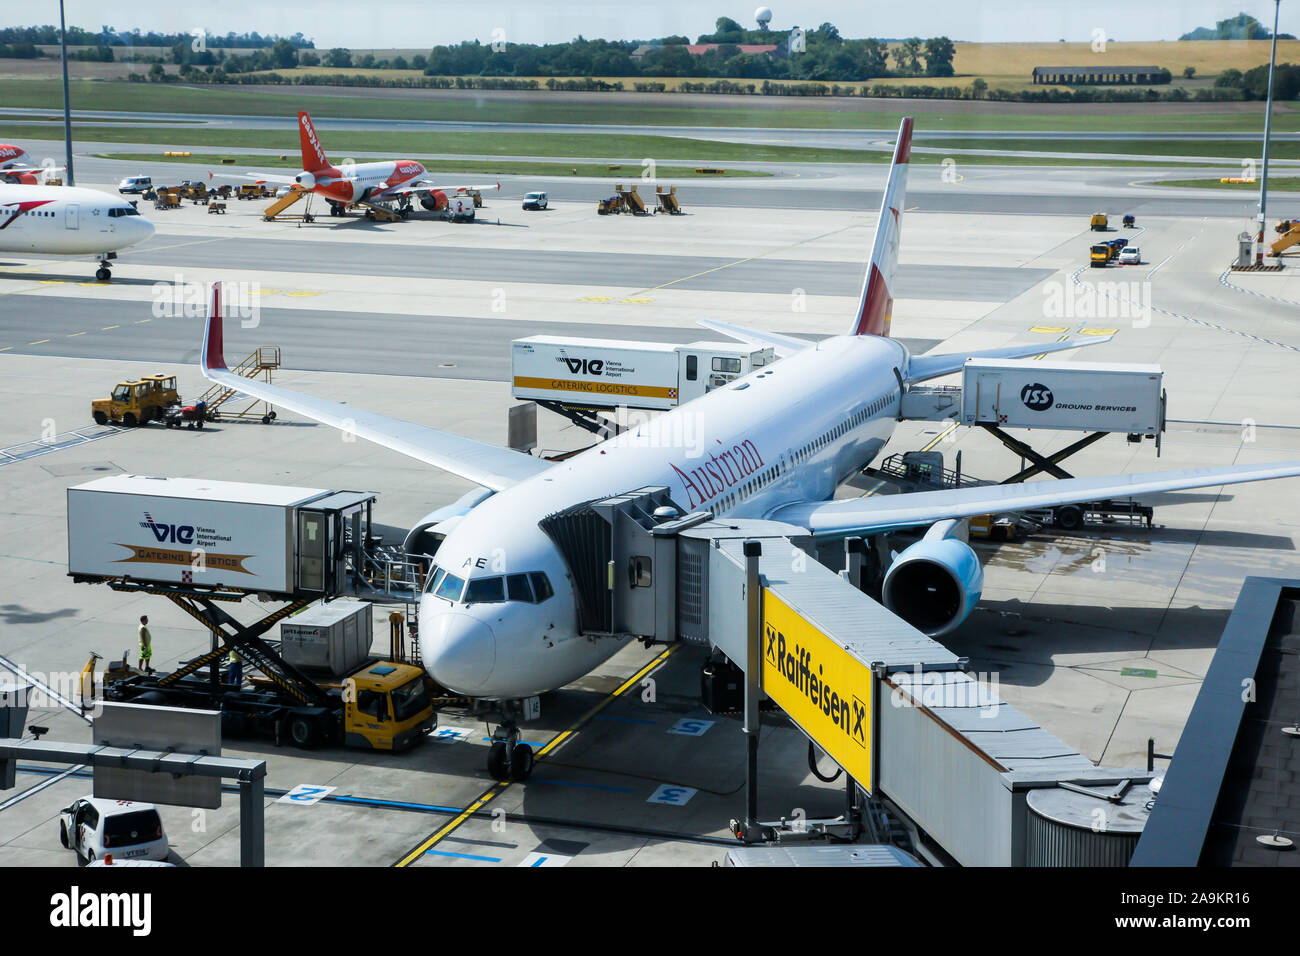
pixel 315 340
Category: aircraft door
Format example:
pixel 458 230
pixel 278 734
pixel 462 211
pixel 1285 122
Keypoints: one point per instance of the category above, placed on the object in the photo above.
pixel 988 387
pixel 70 219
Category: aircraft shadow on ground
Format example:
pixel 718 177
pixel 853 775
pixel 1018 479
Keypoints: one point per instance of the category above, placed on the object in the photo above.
pixel 20 614
pixel 89 280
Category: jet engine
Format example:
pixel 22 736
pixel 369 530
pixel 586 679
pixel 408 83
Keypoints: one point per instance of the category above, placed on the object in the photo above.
pixel 426 534
pixel 935 584
pixel 435 200
pixel 305 180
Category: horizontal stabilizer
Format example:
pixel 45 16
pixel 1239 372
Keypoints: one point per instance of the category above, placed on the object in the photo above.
pixel 783 345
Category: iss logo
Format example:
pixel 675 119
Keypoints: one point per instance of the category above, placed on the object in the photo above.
pixel 1037 397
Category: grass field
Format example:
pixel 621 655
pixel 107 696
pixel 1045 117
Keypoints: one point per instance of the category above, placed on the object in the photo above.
pixel 667 110
pixel 1286 184
pixel 1227 149
pixel 584 145
pixel 486 167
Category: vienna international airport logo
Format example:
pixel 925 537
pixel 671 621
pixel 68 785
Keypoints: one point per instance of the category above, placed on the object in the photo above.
pixel 807 677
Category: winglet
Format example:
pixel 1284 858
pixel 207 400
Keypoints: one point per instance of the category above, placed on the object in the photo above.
pixel 876 304
pixel 213 356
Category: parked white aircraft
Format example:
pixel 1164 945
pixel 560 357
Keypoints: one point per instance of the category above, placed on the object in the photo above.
pixel 498 619
pixel 68 221
pixel 16 167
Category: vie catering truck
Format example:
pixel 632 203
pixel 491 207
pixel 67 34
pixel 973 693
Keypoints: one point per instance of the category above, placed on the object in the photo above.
pixel 202 543
pixel 556 370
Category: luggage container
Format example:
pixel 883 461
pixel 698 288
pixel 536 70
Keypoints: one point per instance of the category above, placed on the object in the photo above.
pixel 333 637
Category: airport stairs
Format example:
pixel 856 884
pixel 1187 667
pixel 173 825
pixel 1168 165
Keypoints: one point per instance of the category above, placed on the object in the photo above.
pixel 1289 235
pixel 635 204
pixel 257 365
pixel 283 203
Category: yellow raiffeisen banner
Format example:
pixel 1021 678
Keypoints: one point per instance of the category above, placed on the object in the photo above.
pixel 820 686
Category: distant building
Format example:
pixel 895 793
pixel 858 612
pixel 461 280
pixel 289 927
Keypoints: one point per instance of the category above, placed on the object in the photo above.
pixel 1097 75
pixel 695 49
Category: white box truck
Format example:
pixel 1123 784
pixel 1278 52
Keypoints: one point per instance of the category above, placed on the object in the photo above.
pixel 1069 396
pixel 607 373
pixel 332 637
pixel 186 531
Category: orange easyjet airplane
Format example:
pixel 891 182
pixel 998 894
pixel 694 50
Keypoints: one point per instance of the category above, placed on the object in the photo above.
pixel 391 184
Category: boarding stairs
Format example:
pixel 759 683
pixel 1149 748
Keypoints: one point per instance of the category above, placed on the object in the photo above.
pixel 258 365
pixel 1288 235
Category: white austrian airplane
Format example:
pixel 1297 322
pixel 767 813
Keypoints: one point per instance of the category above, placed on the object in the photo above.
pixel 778 443
pixel 68 221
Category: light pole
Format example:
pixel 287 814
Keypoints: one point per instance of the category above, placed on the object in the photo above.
pixel 1268 125
pixel 67 109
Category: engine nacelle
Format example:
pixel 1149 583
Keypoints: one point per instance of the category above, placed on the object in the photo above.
pixel 305 180
pixel 435 200
pixel 427 533
pixel 936 583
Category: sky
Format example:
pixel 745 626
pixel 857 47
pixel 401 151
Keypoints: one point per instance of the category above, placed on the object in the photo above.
pixel 415 24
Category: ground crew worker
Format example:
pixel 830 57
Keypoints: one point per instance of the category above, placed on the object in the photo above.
pixel 146 645
pixel 234 668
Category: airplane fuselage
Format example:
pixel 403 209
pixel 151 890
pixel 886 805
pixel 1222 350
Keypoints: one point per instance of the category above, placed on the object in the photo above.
pixel 362 181
pixel 67 221
pixel 792 431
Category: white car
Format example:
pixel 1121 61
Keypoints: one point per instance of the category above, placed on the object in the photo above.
pixel 535 200
pixel 96 828
pixel 1130 256
pixel 135 184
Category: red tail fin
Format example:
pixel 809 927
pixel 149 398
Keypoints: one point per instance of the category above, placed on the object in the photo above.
pixel 876 305
pixel 313 155
pixel 213 355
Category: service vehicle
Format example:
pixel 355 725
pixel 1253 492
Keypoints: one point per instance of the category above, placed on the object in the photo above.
pixel 460 208
pixel 535 200
pixel 1099 222
pixel 1073 396
pixel 191 416
pixel 94 829
pixel 1100 255
pixel 608 373
pixel 1129 222
pixel 1130 256
pixel 135 184
pixel 136 402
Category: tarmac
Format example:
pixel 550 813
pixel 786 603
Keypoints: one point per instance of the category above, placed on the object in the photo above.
pixel 1101 636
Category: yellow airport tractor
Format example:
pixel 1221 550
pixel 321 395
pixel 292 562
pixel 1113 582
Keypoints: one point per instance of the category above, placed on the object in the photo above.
pixel 1099 222
pixel 138 402
pixel 1099 256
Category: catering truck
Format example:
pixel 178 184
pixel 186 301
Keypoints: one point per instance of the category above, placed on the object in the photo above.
pixel 238 535
pixel 1069 396
pixel 609 373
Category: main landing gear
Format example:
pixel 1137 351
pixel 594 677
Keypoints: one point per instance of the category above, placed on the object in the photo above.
pixel 508 759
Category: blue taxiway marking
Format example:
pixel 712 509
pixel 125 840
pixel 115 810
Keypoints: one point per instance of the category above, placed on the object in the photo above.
pixel 465 856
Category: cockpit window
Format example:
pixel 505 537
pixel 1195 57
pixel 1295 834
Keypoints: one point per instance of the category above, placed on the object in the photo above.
pixel 119 211
pixel 517 588
pixel 485 591
pixel 449 587
pixel 541 586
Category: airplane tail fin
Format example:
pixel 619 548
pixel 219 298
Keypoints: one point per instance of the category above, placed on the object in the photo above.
pixel 876 305
pixel 212 358
pixel 313 154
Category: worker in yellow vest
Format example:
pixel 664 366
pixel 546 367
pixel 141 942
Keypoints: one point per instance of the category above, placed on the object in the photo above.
pixel 234 668
pixel 146 645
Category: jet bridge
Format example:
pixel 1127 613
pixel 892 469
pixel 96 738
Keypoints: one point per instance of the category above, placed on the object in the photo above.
pixel 920 738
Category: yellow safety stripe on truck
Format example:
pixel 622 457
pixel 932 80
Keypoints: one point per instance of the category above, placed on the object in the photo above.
pixel 595 388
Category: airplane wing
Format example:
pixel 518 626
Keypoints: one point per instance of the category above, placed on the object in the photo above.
pixel 256 177
pixel 848 516
pixel 408 189
pixel 783 345
pixel 922 367
pixel 488 465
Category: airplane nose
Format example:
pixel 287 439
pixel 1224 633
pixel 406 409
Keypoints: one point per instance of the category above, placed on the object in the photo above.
pixel 459 651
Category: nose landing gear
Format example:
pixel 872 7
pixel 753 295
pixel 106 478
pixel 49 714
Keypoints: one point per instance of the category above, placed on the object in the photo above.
pixel 508 759
pixel 102 273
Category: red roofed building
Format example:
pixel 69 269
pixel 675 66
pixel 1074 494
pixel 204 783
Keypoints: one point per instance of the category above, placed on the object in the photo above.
pixel 695 49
